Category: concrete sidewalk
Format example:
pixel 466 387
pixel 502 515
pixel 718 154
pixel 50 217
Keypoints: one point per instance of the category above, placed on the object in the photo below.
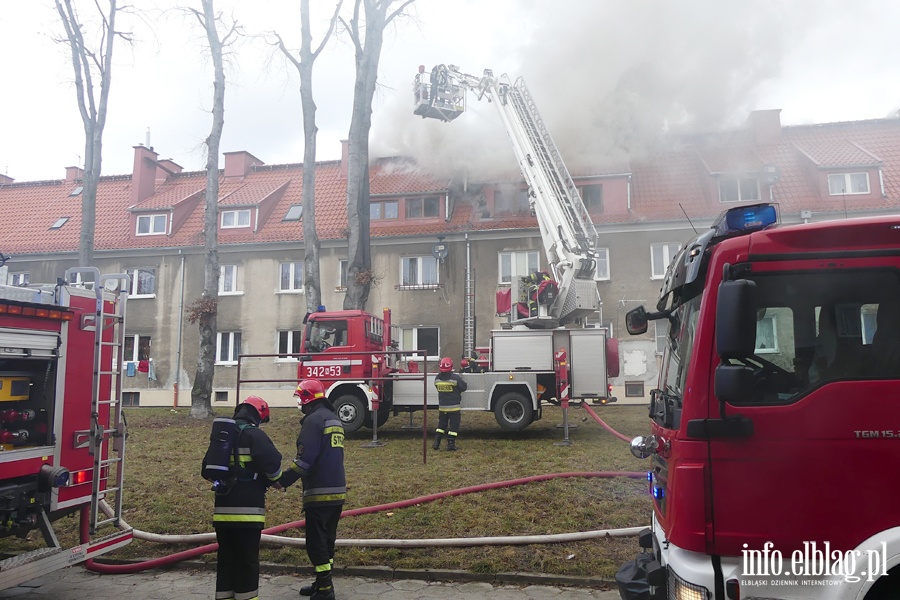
pixel 76 583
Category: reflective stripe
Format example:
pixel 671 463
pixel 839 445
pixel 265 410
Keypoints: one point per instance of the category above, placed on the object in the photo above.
pixel 219 518
pixel 449 408
pixel 453 434
pixel 240 510
pixel 225 595
pixel 333 429
pixel 254 595
pixel 274 476
pixel 301 465
pixel 440 431
pixel 323 568
pixel 332 423
pixel 310 499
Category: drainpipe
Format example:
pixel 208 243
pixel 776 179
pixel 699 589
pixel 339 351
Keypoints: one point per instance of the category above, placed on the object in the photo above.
pixel 469 318
pixel 180 328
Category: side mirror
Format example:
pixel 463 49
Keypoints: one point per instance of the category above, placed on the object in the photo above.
pixel 307 346
pixel 636 321
pixel 736 319
pixel 734 383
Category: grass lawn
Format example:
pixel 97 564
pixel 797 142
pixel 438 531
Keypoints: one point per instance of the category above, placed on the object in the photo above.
pixel 165 493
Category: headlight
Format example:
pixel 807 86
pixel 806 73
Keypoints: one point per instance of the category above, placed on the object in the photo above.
pixel 679 589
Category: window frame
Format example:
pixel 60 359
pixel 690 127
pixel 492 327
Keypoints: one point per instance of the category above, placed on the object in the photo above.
pixel 292 276
pixel 739 181
pixel 660 334
pixel 233 349
pixel 605 262
pixel 513 256
pixel 152 220
pixel 414 332
pixel 596 205
pixel 666 259
pixel 290 342
pixel 382 206
pixel 236 284
pixel 290 214
pixel 237 213
pixel 136 346
pixel 848 180
pixel 420 273
pixel 134 281
pixel 343 274
pixel 19 278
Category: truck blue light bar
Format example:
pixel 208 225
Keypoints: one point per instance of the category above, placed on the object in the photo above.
pixel 745 219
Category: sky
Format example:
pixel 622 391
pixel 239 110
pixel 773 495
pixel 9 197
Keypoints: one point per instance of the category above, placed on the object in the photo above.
pixel 609 77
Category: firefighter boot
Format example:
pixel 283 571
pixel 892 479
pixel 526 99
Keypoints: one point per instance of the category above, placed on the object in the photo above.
pixel 309 589
pixel 324 587
pixel 451 444
pixel 437 442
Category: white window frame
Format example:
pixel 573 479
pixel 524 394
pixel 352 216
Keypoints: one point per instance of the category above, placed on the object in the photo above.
pixel 238 216
pixel 846 188
pixel 659 271
pixel 660 333
pixel 132 276
pixel 19 279
pixel 156 224
pixel 514 257
pixel 774 321
pixel 343 273
pixel 136 346
pixel 602 272
pixel 291 334
pixel 407 267
pixel 235 283
pixel 228 339
pixel 414 331
pixel 293 268
pixel 740 180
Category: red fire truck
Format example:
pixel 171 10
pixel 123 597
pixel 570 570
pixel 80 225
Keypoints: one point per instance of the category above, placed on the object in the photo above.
pixel 62 435
pixel 775 428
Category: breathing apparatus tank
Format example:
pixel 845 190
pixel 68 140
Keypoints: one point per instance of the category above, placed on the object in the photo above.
pixel 220 456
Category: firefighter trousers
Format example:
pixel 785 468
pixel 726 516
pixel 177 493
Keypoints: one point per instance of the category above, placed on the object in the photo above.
pixel 321 533
pixel 237 567
pixel 448 422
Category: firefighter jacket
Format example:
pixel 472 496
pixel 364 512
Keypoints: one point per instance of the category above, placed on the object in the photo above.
pixel 320 457
pixel 259 466
pixel 450 387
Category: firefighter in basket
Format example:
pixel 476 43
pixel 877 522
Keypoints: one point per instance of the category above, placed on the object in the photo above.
pixel 320 465
pixel 450 387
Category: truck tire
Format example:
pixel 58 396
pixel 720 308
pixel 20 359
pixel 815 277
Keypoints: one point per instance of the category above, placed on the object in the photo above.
pixel 514 412
pixel 384 412
pixel 351 411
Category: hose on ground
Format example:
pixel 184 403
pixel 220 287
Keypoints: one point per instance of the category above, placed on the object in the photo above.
pixel 269 537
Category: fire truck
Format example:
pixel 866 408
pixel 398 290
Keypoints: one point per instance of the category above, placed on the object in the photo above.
pixel 62 432
pixel 775 425
pixel 533 359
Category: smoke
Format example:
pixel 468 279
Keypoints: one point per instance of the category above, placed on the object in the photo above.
pixel 612 79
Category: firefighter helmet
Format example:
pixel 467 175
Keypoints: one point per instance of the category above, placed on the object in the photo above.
pixel 446 364
pixel 308 391
pixel 261 406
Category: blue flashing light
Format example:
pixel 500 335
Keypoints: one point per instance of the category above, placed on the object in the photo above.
pixel 649 475
pixel 745 219
pixel 658 493
pixel 321 308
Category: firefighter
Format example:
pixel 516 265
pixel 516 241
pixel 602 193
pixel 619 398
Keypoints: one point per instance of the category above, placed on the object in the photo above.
pixel 240 514
pixel 450 387
pixel 320 465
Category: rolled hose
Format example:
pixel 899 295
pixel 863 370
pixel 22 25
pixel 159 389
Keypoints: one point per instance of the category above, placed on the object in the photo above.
pixel 269 538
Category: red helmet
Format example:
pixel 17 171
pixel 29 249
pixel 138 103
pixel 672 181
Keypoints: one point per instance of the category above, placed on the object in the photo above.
pixel 261 406
pixel 446 364
pixel 464 363
pixel 309 390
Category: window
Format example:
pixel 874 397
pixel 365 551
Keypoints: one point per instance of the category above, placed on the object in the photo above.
pixel 137 347
pixel 344 267
pixel 511 201
pixel 289 343
pixel 419 208
pixel 766 335
pixel 151 225
pixel 131 398
pixel 419 271
pixel 143 281
pixel 76 191
pixel 228 346
pixel 420 338
pixel 388 209
pixel 20 279
pixel 59 222
pixel 291 277
pixel 602 265
pixel 848 183
pixel 738 189
pixel 228 279
pixel 660 257
pixel 233 219
pixel 517 264
pixel 323 334
pixel 221 396
pixel 592 196
pixel 294 213
pixel 662 331
pixel 634 389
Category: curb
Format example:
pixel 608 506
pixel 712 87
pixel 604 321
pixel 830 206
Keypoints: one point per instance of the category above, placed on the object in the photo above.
pixel 390 573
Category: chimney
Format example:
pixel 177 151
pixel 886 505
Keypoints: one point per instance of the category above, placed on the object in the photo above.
pixel 239 164
pixel 765 125
pixel 143 178
pixel 5 179
pixel 74 174
pixel 345 157
pixel 165 168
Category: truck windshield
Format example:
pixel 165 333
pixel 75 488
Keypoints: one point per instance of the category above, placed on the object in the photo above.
pixel 813 328
pixel 321 335
pixel 665 407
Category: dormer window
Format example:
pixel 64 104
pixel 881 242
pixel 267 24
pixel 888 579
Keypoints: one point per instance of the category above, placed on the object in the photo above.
pixel 840 184
pixel 151 224
pixel 233 219
pixel 423 208
pixel 738 188
pixel 387 209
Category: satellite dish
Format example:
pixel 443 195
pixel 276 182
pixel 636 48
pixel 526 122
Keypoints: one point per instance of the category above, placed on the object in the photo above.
pixel 439 250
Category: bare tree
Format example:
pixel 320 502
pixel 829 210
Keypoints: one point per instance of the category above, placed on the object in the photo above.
pixel 91 63
pixel 367 36
pixel 204 309
pixel 311 278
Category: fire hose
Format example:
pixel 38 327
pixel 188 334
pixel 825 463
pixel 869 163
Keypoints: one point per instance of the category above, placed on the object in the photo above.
pixel 268 536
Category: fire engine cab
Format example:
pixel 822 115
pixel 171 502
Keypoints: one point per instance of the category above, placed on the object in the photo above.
pixel 62 434
pixel 775 425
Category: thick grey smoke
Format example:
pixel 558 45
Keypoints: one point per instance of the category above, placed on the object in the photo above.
pixel 611 78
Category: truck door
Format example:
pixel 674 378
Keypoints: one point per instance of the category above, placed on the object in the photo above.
pixel 823 379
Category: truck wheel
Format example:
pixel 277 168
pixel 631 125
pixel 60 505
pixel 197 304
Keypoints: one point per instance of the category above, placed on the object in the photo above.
pixel 514 412
pixel 351 411
pixel 384 412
